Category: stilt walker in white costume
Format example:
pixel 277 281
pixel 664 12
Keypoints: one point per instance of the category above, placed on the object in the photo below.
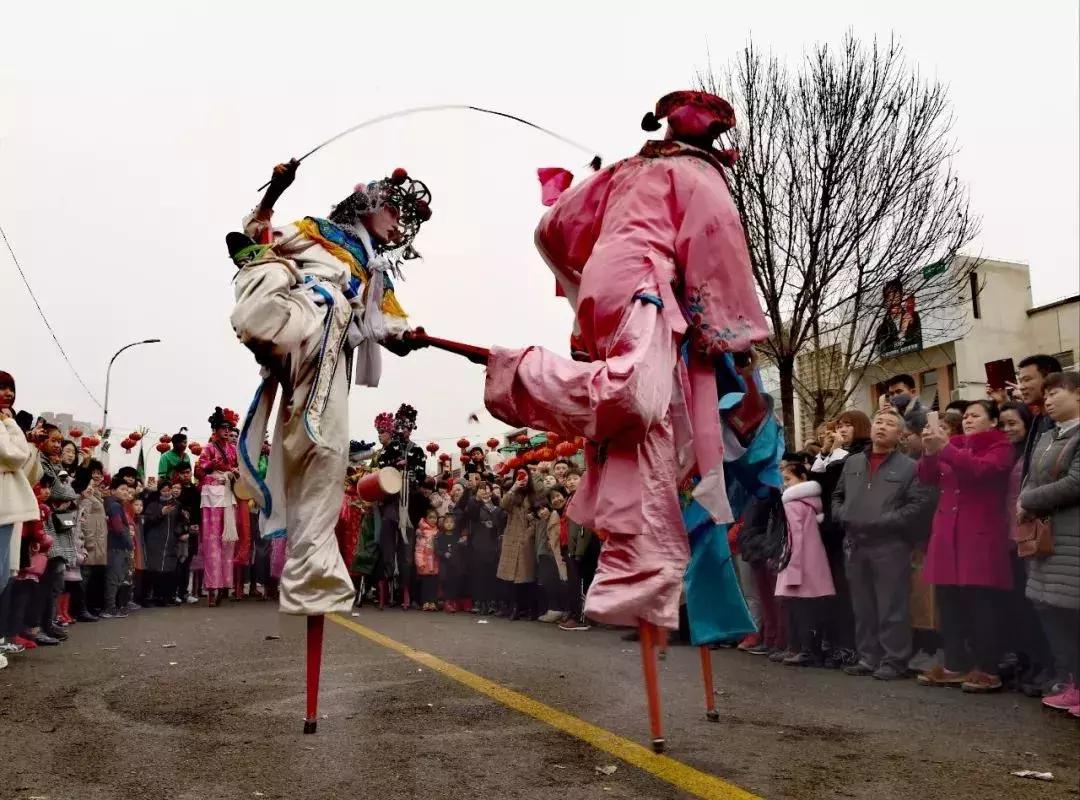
pixel 314 302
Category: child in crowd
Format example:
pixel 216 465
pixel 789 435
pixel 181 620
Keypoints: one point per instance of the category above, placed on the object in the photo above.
pixel 427 563
pixel 550 566
pixel 806 581
pixel 62 558
pixel 120 544
pixel 452 548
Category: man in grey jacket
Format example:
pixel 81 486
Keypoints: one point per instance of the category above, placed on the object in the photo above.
pixel 882 508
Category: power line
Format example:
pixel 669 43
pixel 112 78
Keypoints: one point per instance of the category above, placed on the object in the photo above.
pixel 44 319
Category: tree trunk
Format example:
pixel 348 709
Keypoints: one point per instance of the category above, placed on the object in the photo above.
pixel 786 367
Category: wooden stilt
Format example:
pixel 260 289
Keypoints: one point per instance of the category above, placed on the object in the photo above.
pixel 314 668
pixel 648 639
pixel 706 673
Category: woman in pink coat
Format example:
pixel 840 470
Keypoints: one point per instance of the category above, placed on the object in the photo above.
pixel 967 557
pixel 650 253
pixel 806 582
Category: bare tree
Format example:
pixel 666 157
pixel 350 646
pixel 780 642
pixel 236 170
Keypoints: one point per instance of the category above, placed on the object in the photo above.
pixel 846 188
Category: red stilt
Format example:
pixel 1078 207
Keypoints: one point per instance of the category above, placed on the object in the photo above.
pixel 382 595
pixel 405 599
pixel 706 673
pixel 314 667
pixel 648 635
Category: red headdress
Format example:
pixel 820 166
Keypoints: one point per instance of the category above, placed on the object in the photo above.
pixel 384 423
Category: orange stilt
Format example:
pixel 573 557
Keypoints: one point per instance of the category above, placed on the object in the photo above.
pixel 314 667
pixel 706 673
pixel 649 634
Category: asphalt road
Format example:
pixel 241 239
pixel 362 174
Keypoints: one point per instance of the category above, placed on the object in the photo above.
pixel 114 714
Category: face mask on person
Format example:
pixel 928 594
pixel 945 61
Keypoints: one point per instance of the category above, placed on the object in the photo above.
pixel 899 401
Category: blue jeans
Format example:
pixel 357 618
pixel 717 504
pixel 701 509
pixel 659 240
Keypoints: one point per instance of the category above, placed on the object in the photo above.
pixel 5 561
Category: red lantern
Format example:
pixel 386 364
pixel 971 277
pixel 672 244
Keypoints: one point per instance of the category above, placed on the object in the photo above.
pixel 547 453
pixel 492 443
pixel 161 447
pixel 512 463
pixel 164 438
pixel 75 433
pixel 134 436
pixel 553 437
pixel 444 457
pixel 94 441
pixel 522 438
pixel 463 443
pixel 565 449
pixel 127 444
pixel 195 448
pixel 465 458
pixel 432 448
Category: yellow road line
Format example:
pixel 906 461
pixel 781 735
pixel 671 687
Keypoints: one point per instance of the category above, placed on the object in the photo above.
pixel 678 774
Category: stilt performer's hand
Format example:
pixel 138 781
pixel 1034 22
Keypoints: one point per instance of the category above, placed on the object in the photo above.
pixel 415 339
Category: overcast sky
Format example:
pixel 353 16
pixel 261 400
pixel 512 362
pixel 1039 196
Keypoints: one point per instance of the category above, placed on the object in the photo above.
pixel 133 137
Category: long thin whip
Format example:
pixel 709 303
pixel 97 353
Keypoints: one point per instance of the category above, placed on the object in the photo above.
pixel 446 107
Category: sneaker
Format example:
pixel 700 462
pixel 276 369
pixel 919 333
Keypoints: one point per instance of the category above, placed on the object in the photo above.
pixel 859 670
pixel 978 682
pixel 551 616
pixel 571 624
pixel 939 676
pixel 450 607
pixel 3 662
pixel 109 614
pixel 760 649
pixel 25 642
pixel 86 616
pixel 132 607
pixel 802 659
pixel 191 600
pixel 56 633
pixel 1064 700
pixel 887 672
pixel 11 648
pixel 840 657
pixel 749 641
pixel 778 656
pixel 44 640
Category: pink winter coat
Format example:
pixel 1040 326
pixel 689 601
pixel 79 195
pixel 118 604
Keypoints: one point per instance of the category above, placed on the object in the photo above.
pixel 970 544
pixel 807 573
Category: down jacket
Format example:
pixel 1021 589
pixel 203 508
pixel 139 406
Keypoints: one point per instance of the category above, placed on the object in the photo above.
pixel 1055 580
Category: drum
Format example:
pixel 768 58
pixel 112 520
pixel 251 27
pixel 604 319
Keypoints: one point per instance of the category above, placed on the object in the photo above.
pixel 379 485
pixel 241 491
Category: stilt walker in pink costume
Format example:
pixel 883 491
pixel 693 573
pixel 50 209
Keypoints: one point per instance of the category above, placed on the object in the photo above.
pixel 216 470
pixel 652 256
pixel 314 302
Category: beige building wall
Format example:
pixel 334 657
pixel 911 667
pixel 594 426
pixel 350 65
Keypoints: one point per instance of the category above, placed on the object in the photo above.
pixel 1055 330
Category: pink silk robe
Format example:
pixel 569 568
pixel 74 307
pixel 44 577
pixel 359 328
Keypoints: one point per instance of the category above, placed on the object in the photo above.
pixel 647 250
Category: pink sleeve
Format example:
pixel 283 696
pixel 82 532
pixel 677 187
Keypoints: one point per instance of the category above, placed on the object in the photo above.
pixel 996 461
pixel 621 397
pixel 710 250
pixel 929 469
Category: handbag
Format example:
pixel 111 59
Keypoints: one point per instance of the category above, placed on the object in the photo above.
pixel 1035 537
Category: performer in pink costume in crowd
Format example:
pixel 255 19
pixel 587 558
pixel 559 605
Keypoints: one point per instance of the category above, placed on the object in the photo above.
pixel 215 470
pixel 652 256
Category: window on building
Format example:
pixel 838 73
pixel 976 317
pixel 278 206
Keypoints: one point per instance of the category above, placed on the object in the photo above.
pixel 1066 358
pixel 973 282
pixel 928 390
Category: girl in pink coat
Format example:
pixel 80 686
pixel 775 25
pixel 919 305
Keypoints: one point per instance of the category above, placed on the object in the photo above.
pixel 806 582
